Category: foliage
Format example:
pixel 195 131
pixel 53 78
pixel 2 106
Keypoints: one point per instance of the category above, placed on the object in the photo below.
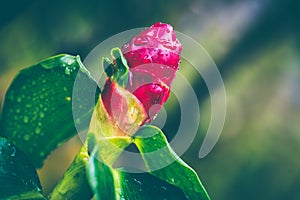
pixel 37 118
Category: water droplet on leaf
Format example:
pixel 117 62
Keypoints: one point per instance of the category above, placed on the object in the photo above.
pixel 13 152
pixel 68 98
pixel 67 71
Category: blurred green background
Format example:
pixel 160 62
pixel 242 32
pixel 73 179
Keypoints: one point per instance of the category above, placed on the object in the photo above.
pixel 256 46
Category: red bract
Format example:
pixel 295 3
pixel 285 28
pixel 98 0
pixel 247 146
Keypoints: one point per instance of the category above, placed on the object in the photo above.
pixel 124 113
pixel 153 57
pixel 107 94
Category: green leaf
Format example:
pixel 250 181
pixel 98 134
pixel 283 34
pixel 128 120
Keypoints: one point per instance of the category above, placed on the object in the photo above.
pixel 18 177
pixel 166 173
pixel 157 153
pixel 100 178
pixel 37 111
pixel 110 183
pixel 146 187
pixel 74 183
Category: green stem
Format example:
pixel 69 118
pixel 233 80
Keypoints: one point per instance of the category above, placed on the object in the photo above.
pixel 74 184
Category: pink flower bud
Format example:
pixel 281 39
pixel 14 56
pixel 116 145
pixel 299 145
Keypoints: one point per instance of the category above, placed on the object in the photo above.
pixel 153 57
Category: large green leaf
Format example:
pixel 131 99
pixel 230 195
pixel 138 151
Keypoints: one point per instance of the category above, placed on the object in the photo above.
pixel 145 186
pixel 110 183
pixel 37 111
pixel 101 178
pixel 18 177
pixel 167 177
pixel 157 153
pixel 74 184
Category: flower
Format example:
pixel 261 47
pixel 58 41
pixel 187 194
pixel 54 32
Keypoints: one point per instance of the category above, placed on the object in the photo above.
pixel 153 58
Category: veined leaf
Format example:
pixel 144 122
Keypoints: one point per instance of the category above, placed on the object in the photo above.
pixel 157 153
pixel 100 178
pixel 37 111
pixel 167 176
pixel 117 184
pixel 18 177
pixel 74 184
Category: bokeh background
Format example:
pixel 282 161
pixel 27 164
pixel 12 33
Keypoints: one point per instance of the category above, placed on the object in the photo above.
pixel 256 46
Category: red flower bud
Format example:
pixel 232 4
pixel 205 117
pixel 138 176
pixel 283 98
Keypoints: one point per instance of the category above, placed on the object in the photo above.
pixel 153 58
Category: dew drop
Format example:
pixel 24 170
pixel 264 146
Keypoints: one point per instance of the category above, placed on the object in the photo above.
pixel 137 181
pixel 164 188
pixel 13 153
pixel 140 40
pixel 67 71
pixel 85 159
pixel 68 98
pixel 70 61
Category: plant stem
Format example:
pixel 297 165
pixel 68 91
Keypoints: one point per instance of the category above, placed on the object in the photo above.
pixel 74 184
